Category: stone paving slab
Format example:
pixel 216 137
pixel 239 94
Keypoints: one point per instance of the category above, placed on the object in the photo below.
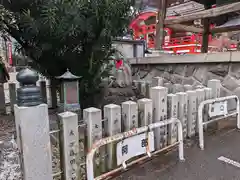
pixel 199 165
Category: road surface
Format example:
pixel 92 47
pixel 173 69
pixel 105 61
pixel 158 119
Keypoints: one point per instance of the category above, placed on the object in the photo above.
pixel 219 161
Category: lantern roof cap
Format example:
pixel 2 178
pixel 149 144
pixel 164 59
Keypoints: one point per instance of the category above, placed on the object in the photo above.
pixel 68 76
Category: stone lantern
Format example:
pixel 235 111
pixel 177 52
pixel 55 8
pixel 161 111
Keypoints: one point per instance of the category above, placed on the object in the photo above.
pixel 69 96
pixel 28 94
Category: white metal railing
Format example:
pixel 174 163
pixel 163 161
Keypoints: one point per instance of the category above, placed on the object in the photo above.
pixel 133 132
pixel 223 115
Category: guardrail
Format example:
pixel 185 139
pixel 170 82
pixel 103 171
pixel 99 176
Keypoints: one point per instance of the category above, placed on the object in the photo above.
pixel 220 109
pixel 133 132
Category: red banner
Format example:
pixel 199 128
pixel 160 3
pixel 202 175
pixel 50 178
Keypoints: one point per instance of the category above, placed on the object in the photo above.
pixel 10 53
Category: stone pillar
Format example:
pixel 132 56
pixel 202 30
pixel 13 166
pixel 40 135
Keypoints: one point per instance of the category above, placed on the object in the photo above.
pixel 169 87
pixel 143 88
pixel 157 81
pixel 177 88
pixel 12 95
pixel 120 77
pixel 69 123
pixel 215 85
pixel 159 98
pixel 2 100
pixel 192 112
pixel 200 98
pixel 148 89
pixel 137 84
pixel 129 115
pixel 93 118
pixel 43 88
pixel 172 112
pixel 199 87
pixel 183 111
pixel 112 113
pixel 187 87
pixel 33 139
pixel 208 95
pixel 32 127
pixel 145 109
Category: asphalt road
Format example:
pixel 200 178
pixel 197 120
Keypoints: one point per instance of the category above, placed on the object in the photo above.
pixel 199 165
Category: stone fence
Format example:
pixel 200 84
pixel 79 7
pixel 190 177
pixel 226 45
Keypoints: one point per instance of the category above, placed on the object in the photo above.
pixel 74 138
pixel 194 70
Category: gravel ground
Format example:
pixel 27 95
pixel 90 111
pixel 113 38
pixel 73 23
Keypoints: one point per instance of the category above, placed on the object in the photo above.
pixel 9 155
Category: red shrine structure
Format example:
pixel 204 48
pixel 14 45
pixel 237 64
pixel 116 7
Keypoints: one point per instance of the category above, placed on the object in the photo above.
pixel 176 41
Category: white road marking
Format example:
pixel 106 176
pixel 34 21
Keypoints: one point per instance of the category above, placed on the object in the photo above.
pixel 229 161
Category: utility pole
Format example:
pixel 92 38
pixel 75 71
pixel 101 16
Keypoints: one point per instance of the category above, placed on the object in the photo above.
pixel 159 39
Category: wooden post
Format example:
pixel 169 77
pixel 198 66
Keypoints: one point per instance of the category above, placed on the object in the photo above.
pixel 159 39
pixel 206 31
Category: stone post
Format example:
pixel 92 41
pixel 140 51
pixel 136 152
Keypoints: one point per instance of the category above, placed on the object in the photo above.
pixel 172 112
pixel 148 89
pixel 199 87
pixel 143 88
pixel 93 118
pixel 183 111
pixel 43 88
pixel 69 123
pixel 129 115
pixel 2 100
pixel 145 109
pixel 157 81
pixel 12 95
pixel 208 95
pixel 169 87
pixel 200 98
pixel 215 85
pixel 187 87
pixel 159 98
pixel 112 113
pixel 192 113
pixel 34 142
pixel 32 125
pixel 177 88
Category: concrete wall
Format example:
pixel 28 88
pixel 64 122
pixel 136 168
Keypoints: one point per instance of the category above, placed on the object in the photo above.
pixel 192 69
pixel 130 48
